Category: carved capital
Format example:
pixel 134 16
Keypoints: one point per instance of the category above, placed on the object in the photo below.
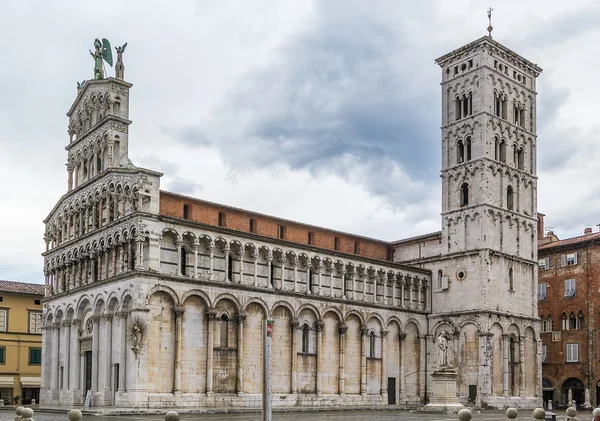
pixel 402 336
pixel 384 333
pixel 295 323
pixel 319 325
pixel 178 311
pixel 241 318
pixel 66 323
pixel 364 330
pixel 342 329
pixel 212 315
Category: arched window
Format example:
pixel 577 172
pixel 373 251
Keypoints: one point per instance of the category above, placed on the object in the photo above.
pixel 564 322
pixel 503 151
pixel 510 198
pixel 372 344
pixel 511 285
pixel 514 148
pixel 464 194
pixel 183 260
pixel 440 278
pixel 309 278
pixel 580 320
pixel 572 321
pixel 224 330
pixel 521 159
pixel 468 149
pixel 305 333
pixel 460 152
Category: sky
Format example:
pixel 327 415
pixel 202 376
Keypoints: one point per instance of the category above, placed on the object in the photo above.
pixel 323 112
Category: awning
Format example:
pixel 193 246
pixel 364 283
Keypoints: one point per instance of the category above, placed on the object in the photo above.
pixel 7 381
pixel 31 381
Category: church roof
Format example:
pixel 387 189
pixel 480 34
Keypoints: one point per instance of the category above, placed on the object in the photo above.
pixel 21 288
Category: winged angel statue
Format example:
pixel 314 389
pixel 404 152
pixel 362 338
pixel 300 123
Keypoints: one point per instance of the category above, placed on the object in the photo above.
pixel 102 53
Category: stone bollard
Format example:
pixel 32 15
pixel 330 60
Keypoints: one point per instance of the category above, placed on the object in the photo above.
pixel 172 416
pixel 571 414
pixel 1 402
pixel 75 415
pixel 33 402
pixel 27 414
pixel 19 413
pixel 539 414
pixel 511 414
pixel 464 415
pixel 596 412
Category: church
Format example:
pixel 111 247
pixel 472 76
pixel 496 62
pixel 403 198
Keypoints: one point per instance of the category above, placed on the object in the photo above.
pixel 156 300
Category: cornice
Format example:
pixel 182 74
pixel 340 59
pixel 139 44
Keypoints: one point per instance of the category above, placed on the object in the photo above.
pixel 97 127
pixel 94 83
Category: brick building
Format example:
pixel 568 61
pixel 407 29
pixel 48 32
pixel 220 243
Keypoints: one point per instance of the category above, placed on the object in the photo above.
pixel 569 279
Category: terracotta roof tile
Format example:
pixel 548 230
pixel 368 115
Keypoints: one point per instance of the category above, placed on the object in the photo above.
pixel 21 288
pixel 570 241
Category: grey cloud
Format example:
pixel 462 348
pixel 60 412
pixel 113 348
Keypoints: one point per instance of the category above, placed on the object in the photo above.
pixel 335 89
pixel 182 186
pixel 187 135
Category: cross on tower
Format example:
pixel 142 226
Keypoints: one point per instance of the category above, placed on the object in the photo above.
pixel 490 28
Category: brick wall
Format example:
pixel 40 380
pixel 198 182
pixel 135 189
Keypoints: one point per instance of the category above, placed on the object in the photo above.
pixel 237 219
pixel 586 273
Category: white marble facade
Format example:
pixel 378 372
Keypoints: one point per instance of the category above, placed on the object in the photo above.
pixel 348 330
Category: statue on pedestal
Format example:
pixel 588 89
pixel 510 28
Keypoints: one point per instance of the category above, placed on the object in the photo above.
pixel 101 54
pixel 442 352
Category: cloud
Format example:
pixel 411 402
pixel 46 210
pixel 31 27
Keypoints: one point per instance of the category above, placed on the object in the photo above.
pixel 342 87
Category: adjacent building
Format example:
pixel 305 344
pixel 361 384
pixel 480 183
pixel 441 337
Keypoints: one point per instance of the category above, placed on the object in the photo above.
pixel 569 279
pixel 20 341
pixel 155 299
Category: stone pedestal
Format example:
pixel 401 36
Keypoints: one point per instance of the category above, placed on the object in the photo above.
pixel 443 398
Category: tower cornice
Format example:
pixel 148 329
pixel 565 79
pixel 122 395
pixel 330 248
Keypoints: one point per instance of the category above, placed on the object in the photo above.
pixel 99 126
pixel 490 43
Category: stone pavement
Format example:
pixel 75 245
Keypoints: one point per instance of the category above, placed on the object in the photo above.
pixel 350 415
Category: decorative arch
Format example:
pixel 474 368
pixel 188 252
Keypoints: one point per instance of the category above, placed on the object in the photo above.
pixel 197 293
pixel 167 290
pixel 260 302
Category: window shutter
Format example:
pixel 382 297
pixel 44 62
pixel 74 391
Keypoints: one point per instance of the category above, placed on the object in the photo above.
pixel 575 352
pixel 544 354
pixel 444 282
pixel 575 257
pixel 563 260
pixel 569 353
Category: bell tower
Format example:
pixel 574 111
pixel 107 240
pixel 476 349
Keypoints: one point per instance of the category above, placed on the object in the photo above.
pixel 489 183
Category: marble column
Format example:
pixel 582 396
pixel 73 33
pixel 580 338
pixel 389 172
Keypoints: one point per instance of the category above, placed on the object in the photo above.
pixel 394 291
pixel 241 265
pixel 95 347
pixel 402 288
pixel 384 390
pixel 365 276
pixel 363 361
pixel 195 259
pixel 319 327
pixel 282 286
pixel 296 274
pixel 319 270
pixel 211 315
pixel 270 280
pixel 114 261
pixel 294 326
pixel 179 268
pixel 402 385
pixel 55 349
pixel 255 261
pixel 227 257
pixel 505 377
pixel 240 354
pixel 354 284
pixel 66 325
pixel 122 350
pixel 178 335
pixel 522 366
pixel 211 250
pixel 139 256
pixel 342 376
pixel 331 279
pixel 107 319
